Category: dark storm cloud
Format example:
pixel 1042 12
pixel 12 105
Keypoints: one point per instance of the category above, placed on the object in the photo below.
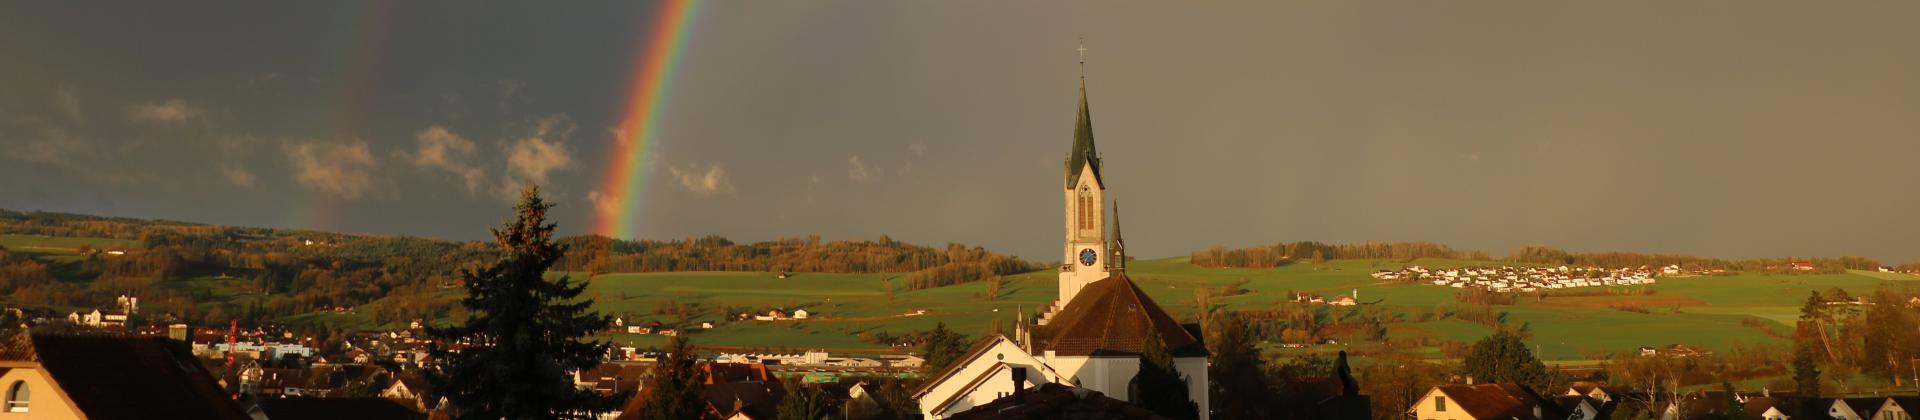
pixel 1736 130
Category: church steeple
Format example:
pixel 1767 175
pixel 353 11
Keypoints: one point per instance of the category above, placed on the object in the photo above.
pixel 1087 258
pixel 1083 153
pixel 1119 260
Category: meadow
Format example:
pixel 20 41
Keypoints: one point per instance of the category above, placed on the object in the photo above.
pixel 1709 312
pixel 1703 312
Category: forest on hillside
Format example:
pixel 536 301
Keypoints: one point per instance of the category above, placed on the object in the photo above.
pixel 212 273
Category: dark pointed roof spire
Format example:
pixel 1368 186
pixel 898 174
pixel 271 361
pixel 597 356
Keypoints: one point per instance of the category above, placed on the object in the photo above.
pixel 1119 244
pixel 1083 153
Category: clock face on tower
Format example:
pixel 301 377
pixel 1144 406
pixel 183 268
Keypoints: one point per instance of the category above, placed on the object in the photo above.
pixel 1087 256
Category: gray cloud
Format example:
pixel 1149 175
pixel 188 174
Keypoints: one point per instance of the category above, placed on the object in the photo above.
pixel 68 103
pixel 236 175
pixel 441 149
pixel 171 111
pixel 531 159
pixel 858 170
pixel 341 169
pixel 1234 122
pixel 712 180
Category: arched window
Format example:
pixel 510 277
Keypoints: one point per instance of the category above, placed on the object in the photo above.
pixel 17 396
pixel 1085 208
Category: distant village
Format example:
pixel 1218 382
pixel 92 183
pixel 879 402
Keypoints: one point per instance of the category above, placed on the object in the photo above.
pixel 1531 279
pixel 266 368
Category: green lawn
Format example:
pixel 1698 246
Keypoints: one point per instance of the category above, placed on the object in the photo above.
pixel 60 249
pixel 1709 315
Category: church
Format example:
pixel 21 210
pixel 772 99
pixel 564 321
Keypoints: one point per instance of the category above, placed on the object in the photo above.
pixel 1091 337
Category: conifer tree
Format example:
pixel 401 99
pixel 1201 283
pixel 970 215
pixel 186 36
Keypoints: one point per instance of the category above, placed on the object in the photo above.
pixel 524 336
pixel 1806 373
pixel 1504 358
pixel 1159 387
pixel 942 347
pixel 803 402
pixel 677 390
pixel 1735 409
pixel 1240 386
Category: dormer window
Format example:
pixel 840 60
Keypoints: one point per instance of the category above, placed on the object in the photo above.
pixel 17 396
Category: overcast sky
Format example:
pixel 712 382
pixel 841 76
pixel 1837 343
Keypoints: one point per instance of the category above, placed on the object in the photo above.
pixel 1719 128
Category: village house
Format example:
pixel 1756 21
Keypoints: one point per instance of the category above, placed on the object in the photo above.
pixel 411 388
pixel 98 318
pixel 1713 404
pixel 1529 279
pixel 1483 401
pixel 108 377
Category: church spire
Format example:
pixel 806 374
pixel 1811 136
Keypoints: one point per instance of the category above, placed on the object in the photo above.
pixel 1119 260
pixel 1083 153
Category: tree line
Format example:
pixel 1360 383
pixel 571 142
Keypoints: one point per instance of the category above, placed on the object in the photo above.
pixel 211 274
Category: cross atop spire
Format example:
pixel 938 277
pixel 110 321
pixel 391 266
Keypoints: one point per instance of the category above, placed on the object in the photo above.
pixel 1083 57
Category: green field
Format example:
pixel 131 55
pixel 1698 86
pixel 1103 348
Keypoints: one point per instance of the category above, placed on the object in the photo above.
pixel 1705 312
pixel 59 249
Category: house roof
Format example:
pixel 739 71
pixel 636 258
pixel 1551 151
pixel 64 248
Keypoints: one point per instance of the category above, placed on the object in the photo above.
pixel 125 377
pixel 1500 401
pixel 736 372
pixel 363 408
pixel 1714 403
pixel 1111 317
pixel 1587 387
pixel 757 400
pixel 1083 153
pixel 952 368
pixel 1056 401
pixel 1908 404
pixel 1864 406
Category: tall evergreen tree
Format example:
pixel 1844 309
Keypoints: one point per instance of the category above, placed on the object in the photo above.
pixel 1806 373
pixel 1504 358
pixel 1735 409
pixel 1158 386
pixel 802 402
pixel 1240 386
pixel 1811 331
pixel 942 347
pixel 524 335
pixel 677 389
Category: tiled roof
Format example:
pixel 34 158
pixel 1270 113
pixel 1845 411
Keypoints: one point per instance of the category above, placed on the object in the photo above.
pixel 954 367
pixel 1110 318
pixel 736 372
pixel 757 400
pixel 1500 401
pixel 1056 402
pixel 365 408
pixel 128 377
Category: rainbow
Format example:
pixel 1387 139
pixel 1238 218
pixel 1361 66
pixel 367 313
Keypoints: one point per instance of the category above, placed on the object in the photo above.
pixel 624 180
pixel 357 73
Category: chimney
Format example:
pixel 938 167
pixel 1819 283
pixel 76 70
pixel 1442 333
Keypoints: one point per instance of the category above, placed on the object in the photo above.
pixel 1019 385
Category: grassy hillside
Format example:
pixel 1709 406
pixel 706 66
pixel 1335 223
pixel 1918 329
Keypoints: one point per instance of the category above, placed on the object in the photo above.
pixel 1708 312
pixel 1700 311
